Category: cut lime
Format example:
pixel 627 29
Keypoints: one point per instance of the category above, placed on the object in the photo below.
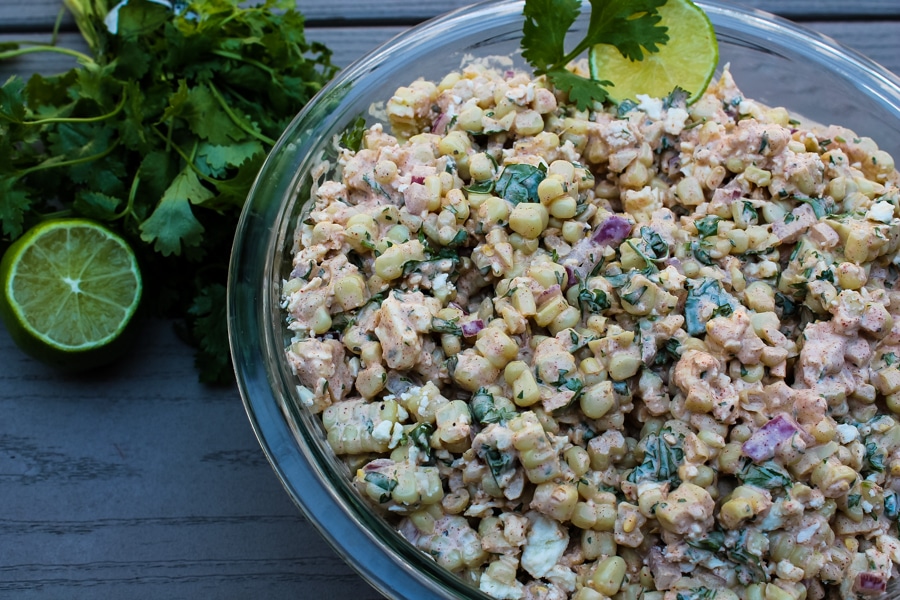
pixel 70 288
pixel 688 60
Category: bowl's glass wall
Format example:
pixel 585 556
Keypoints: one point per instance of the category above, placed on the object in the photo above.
pixel 772 61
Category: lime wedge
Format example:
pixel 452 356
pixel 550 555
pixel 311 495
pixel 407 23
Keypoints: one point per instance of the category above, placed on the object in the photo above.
pixel 688 60
pixel 70 288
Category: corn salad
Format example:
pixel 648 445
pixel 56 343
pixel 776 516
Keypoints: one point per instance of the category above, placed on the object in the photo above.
pixel 642 351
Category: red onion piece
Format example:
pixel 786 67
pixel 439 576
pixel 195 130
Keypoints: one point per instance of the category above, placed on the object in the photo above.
pixel 377 464
pixel 612 231
pixel 416 179
pixel 570 277
pixel 761 445
pixel 870 583
pixel 471 328
pixel 548 293
pixel 440 124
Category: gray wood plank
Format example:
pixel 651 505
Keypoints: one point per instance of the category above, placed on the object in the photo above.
pixel 139 482
pixel 39 15
pixel 350 44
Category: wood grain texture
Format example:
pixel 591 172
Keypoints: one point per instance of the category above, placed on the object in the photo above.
pixel 349 44
pixel 39 15
pixel 139 482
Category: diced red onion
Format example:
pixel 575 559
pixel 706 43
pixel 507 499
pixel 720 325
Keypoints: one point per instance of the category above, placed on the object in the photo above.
pixel 440 124
pixel 870 583
pixel 726 195
pixel 570 277
pixel 612 231
pixel 761 445
pixel 674 262
pixel 377 464
pixel 417 179
pixel 548 293
pixel 471 328
pixel 673 164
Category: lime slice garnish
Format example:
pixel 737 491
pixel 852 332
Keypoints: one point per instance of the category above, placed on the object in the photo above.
pixel 688 60
pixel 70 288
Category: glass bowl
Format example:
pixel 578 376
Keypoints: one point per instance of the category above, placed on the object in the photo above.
pixel 772 60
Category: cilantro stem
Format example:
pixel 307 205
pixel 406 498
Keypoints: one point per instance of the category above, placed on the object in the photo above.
pixel 48 164
pixel 108 115
pixel 84 58
pixel 189 160
pixel 132 194
pixel 237 119
pixel 249 61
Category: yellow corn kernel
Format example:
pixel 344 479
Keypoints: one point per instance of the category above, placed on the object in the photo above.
pixel 760 296
pixel 529 219
pixel 496 346
pixel 550 188
pixel 563 207
pixel 608 575
pixel 550 309
pixel 481 167
pixel 389 265
pixel 493 210
pixel 598 400
pixel 757 176
pixel 689 191
pixel 471 118
pixel 573 231
pixel 320 321
pixel 370 381
pixel 623 365
pixel 523 301
pixel 350 291
pixel 528 122
pixel 456 144
pixel 361 232
pixel 525 389
pixel 512 371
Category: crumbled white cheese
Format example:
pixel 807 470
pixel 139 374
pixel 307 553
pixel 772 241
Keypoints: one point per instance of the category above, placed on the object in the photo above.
pixel 675 120
pixel 382 431
pixel 651 106
pixel 499 590
pixel 806 534
pixel 545 545
pixel 881 211
pixel 846 433
pixel 396 435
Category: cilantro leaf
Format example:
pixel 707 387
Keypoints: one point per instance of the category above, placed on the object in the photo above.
pixel 544 31
pixel 210 332
pixel 13 205
pixel 632 26
pixel 172 223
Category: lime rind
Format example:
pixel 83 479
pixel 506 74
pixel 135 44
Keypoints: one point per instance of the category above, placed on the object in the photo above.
pixel 688 60
pixel 45 300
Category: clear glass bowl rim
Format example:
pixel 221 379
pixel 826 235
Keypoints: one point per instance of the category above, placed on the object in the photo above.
pixel 368 544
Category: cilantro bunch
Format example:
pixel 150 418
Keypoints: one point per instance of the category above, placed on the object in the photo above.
pixel 632 26
pixel 159 134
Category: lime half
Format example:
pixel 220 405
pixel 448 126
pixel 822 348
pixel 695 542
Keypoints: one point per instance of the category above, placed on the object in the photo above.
pixel 688 60
pixel 70 288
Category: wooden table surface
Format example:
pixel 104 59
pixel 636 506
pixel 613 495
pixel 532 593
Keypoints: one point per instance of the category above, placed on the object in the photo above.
pixel 139 482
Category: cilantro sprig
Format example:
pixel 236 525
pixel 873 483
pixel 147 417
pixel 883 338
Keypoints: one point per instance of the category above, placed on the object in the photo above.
pixel 632 26
pixel 159 133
